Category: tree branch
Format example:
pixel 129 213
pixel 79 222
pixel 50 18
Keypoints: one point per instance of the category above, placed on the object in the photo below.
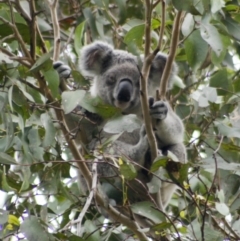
pixel 15 57
pixel 16 32
pixel 143 82
pixel 112 212
pixel 56 29
pixel 172 53
pixel 162 26
pixel 33 28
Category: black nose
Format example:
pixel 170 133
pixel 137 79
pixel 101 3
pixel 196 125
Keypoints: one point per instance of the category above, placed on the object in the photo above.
pixel 125 90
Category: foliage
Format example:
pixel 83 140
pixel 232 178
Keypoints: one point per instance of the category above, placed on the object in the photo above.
pixel 39 192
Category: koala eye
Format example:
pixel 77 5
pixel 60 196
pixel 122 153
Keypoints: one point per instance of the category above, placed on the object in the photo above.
pixel 110 80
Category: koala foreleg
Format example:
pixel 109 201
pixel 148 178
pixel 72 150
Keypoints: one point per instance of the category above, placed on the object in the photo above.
pixel 169 132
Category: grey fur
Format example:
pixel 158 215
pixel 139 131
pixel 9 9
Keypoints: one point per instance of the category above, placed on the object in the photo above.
pixel 116 77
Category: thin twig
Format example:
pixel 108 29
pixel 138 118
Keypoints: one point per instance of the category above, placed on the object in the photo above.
pixel 33 28
pixel 11 36
pixel 143 82
pixel 162 25
pixel 78 221
pixel 230 229
pixel 14 57
pixel 172 53
pixel 16 32
pixel 216 223
pixel 56 29
pixel 90 197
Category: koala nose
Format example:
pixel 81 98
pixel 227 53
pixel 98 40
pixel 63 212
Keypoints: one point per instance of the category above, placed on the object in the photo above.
pixel 125 89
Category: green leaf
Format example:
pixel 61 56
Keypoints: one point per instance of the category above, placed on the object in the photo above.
pixel 43 62
pixel 8 127
pixel 34 144
pixel 122 123
pixel 89 16
pixel 96 105
pixel 232 26
pixel 204 96
pixel 160 161
pixel 155 23
pixel 6 159
pixel 3 100
pixel 188 24
pixel 222 208
pixel 32 229
pixel 127 169
pixel 135 34
pixel 161 226
pixel 50 130
pixel 227 130
pixel 3 216
pixel 210 34
pixel 5 58
pixel 132 23
pixel 155 184
pixel 78 39
pixel 79 79
pixel 17 97
pixel 220 195
pixel 196 50
pixel 52 78
pixel 217 5
pixel 92 231
pixel 183 173
pixel 185 5
pixel 220 81
pixel 146 209
pixel 110 140
pixel 4 184
pixel 71 99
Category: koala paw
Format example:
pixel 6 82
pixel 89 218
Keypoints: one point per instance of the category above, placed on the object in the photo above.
pixel 158 109
pixel 63 70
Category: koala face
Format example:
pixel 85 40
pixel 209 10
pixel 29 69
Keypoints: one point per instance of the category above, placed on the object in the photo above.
pixel 119 86
pixel 115 75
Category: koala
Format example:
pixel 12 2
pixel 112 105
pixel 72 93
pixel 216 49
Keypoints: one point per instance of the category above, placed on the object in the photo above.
pixel 116 80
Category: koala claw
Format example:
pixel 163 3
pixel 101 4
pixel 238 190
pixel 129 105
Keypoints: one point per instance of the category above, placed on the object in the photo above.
pixel 159 110
pixel 63 70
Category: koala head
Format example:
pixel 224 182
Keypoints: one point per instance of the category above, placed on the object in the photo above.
pixel 116 76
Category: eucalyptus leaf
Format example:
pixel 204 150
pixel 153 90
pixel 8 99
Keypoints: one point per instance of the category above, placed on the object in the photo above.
pixel 78 39
pixel 146 209
pixel 127 170
pixel 196 50
pixel 71 99
pixel 211 35
pixel 222 208
pixel 50 130
pixel 31 227
pixel 122 123
pixel 6 159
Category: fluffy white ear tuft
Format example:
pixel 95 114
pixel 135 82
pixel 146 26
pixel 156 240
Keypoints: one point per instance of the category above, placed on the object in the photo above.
pixel 95 57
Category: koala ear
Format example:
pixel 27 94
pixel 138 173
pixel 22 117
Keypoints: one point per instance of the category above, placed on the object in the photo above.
pixel 157 68
pixel 95 58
